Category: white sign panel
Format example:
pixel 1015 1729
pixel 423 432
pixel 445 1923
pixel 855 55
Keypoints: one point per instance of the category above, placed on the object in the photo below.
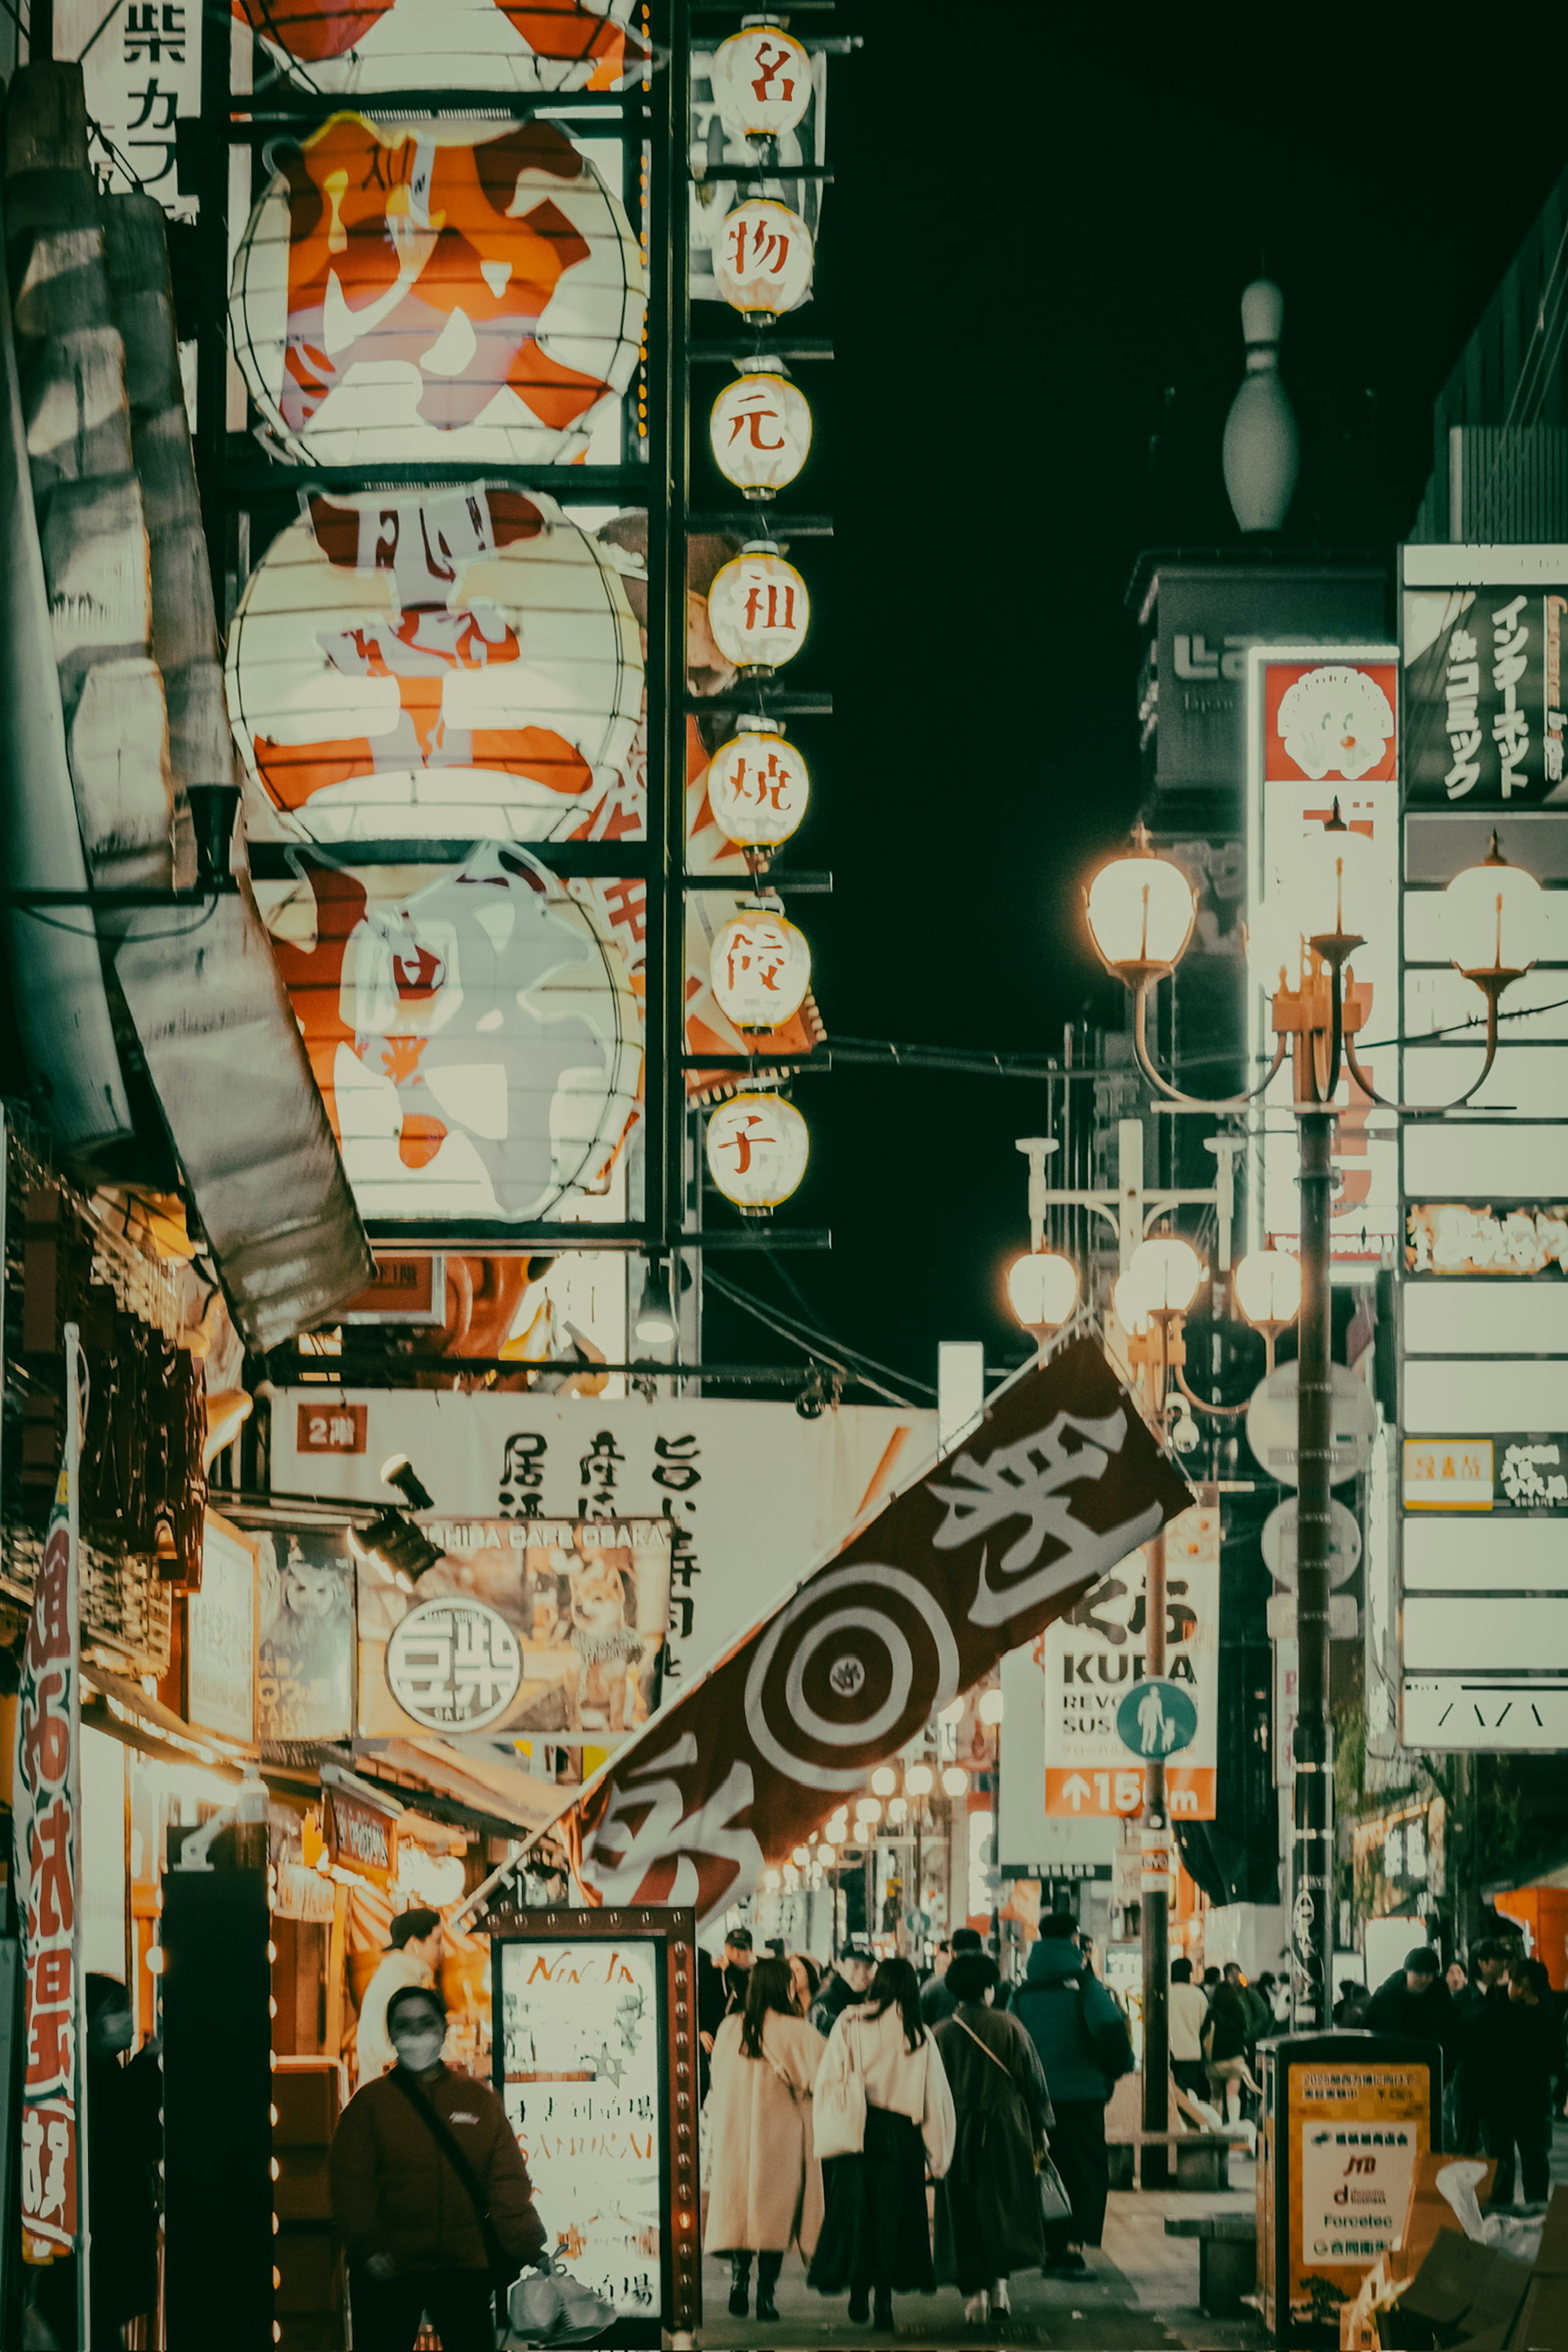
pixel 220 1634
pixel 754 1495
pixel 1353 2184
pixel 142 70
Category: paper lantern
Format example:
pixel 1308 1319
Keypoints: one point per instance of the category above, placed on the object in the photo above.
pixel 352 45
pixel 760 969
pixel 403 291
pixel 758 608
pixel 446 663
pixel 758 786
pixel 760 430
pixel 760 80
pixel 758 1145
pixel 762 258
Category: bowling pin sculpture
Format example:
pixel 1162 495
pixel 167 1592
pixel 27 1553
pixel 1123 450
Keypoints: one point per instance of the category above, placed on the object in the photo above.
pixel 1262 446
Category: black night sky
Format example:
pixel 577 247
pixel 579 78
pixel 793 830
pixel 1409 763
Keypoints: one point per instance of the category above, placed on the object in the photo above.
pixel 1031 261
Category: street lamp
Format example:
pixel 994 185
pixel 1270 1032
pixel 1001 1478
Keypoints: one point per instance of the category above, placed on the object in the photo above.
pixel 1267 1289
pixel 1140 922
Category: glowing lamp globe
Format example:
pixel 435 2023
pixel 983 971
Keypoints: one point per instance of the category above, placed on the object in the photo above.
pixel 884 1781
pixel 1141 911
pixel 404 292
pixel 827 1854
pixel 867 1809
pixel 1492 914
pixel 1128 1303
pixel 992 1706
pixel 1267 1287
pixel 1333 884
pixel 1166 1274
pixel 1042 1290
pixel 760 969
pixel 955 1781
pixel 758 1145
pixel 920 1780
pixel 758 608
pixel 801 1856
pixel 760 80
pixel 758 786
pixel 760 432
pixel 762 258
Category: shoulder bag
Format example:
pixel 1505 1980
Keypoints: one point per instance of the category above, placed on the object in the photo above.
pixel 838 2109
pixel 502 2272
pixel 1054 2203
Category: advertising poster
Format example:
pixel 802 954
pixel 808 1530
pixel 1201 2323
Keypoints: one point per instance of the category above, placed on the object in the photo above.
pixel 305 1646
pixel 220 1634
pixel 578 2055
pixel 1096 1651
pixel 1354 2132
pixel 1483 688
pixel 523 1626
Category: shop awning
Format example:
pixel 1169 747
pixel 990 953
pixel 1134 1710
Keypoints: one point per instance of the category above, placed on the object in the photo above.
pixel 467 1789
pixel 120 1706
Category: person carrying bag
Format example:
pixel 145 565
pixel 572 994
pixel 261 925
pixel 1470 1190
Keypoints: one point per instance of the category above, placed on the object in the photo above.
pixel 430 2194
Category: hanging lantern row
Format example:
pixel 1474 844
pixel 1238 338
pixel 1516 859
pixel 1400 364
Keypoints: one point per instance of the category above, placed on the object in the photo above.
pixel 764 259
pixel 759 609
pixel 760 430
pixel 760 968
pixel 758 1145
pixel 761 82
pixel 758 786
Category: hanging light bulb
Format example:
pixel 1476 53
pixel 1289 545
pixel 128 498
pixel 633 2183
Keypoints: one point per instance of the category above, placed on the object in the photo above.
pixel 760 969
pixel 758 609
pixel 757 1148
pixel 655 1320
pixel 760 431
pixel 762 258
pixel 758 786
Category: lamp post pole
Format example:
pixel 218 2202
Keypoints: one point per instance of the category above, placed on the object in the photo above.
pixel 1312 1816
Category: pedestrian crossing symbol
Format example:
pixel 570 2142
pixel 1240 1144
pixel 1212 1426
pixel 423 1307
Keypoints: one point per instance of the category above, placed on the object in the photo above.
pixel 1156 1718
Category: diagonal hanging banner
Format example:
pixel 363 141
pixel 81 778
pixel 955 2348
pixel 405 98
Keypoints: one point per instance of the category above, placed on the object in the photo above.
pixel 1060 1481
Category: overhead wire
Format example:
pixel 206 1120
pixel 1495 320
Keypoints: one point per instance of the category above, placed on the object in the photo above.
pixel 839 1359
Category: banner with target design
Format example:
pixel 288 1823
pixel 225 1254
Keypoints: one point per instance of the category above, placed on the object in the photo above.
pixel 1059 1482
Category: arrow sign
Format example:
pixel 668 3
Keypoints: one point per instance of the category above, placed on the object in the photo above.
pixel 1076 1790
pixel 1156 1718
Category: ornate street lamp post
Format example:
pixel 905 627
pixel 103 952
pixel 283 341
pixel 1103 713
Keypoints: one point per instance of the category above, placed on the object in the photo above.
pixel 1141 910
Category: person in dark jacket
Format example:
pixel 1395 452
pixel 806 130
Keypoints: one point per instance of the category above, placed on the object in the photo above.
pixel 1228 2032
pixel 415 2241
pixel 844 1984
pixel 1415 2000
pixel 988 2202
pixel 936 1994
pixel 1081 2038
pixel 1519 2051
pixel 1484 1993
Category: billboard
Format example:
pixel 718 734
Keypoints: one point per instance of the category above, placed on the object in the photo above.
pixel 1483 685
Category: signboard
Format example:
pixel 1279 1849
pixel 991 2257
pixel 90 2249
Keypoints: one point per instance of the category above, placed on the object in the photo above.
pixel 305 1646
pixel 1323 729
pixel 1279 1545
pixel 331 1428
pixel 1156 1718
pixel 220 1634
pixel 529 1625
pixel 1466 1237
pixel 1094 1658
pixel 48 1830
pixel 595 2061
pixel 1520 1472
pixel 1027 1843
pixel 405 1290
pixel 751 1494
pixel 141 77
pixel 1272 1423
pixel 1483 684
pixel 362 1836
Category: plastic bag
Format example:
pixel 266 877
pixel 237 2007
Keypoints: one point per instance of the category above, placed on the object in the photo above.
pixel 552 2307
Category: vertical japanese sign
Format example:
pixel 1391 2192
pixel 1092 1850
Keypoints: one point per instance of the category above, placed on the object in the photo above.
pixel 1483 685
pixel 1323 731
pixel 142 70
pixel 48 1740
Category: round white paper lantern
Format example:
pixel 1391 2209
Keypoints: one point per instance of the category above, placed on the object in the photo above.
pixel 452 664
pixel 758 786
pixel 761 83
pixel 760 430
pixel 758 1145
pixel 758 608
pixel 762 258
pixel 760 969
pixel 403 291
pixel 350 45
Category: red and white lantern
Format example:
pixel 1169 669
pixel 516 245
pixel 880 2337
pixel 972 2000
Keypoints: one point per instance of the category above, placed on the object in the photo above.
pixel 361 46
pixel 760 430
pixel 758 608
pixel 762 258
pixel 758 786
pixel 758 1145
pixel 760 969
pixel 760 80
pixel 405 291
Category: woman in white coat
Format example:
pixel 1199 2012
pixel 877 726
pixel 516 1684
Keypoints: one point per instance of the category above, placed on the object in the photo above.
pixel 766 2182
pixel 876 2237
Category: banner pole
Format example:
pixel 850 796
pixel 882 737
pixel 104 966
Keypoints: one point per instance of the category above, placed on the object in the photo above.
pixel 76 1377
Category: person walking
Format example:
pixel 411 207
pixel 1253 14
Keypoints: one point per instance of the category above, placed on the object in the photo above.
pixel 1415 2000
pixel 413 1956
pixel 767 2183
pixel 936 1994
pixel 1083 2046
pixel 1520 2052
pixel 1187 2013
pixel 429 2192
pixel 988 2202
pixel 806 1980
pixel 847 1983
pixel 1226 2033
pixel 876 2239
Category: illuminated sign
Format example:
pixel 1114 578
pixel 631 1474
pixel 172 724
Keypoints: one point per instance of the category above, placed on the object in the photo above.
pixel 409 292
pixel 1483 683
pixel 1452 1237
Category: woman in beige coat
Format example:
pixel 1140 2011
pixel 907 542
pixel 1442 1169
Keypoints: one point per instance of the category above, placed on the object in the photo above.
pixel 767 2183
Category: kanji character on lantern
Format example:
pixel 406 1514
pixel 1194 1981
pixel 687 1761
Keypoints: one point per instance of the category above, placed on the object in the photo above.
pixel 758 608
pixel 758 786
pixel 761 82
pixel 761 432
pixel 762 258
pixel 760 969
pixel 758 1145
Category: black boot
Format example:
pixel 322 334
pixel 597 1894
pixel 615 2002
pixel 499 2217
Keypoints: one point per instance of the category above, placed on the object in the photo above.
pixel 768 2269
pixel 859 2306
pixel 882 2308
pixel 740 2285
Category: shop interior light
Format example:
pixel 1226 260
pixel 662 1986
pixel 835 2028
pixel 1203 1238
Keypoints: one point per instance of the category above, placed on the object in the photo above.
pixel 990 1707
pixel 955 1781
pixel 918 1781
pixel 884 1781
pixel 1267 1287
pixel 1166 1274
pixel 1042 1290
pixel 1141 911
pixel 655 1322
pixel 1492 915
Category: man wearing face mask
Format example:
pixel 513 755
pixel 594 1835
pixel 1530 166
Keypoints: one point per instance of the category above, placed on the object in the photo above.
pixel 429 2192
pixel 123 2145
